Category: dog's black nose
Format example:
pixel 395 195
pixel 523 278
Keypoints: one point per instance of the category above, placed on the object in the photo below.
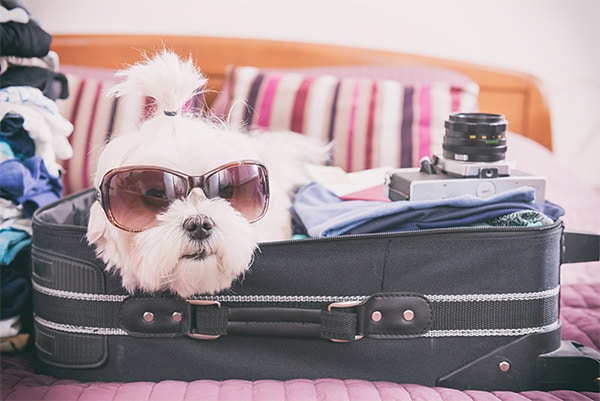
pixel 198 227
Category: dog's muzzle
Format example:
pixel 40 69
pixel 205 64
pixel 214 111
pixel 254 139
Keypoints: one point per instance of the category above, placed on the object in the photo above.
pixel 199 227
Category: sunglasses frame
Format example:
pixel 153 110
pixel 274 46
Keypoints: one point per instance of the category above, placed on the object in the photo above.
pixel 192 181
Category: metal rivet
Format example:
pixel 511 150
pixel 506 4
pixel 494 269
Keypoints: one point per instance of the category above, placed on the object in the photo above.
pixel 376 316
pixel 408 315
pixel 176 316
pixel 504 366
pixel 148 317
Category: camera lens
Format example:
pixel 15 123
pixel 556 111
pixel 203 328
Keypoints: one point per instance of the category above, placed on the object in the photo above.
pixel 477 137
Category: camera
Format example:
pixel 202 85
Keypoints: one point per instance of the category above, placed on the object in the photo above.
pixel 472 162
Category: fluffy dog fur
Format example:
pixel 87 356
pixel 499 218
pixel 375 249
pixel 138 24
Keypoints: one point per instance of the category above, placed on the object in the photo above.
pixel 154 259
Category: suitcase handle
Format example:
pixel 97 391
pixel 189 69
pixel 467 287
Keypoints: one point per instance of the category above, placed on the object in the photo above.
pixel 580 247
pixel 398 315
pixel 381 316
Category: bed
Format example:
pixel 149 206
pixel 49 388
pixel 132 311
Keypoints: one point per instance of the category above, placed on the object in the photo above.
pixel 89 60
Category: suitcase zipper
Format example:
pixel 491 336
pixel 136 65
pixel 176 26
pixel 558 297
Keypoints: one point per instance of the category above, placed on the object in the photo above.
pixel 429 231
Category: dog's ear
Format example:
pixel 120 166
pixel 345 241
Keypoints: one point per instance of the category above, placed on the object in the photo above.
pixel 97 224
pixel 165 77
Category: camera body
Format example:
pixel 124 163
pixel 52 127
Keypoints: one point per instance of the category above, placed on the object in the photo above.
pixel 472 163
pixel 416 185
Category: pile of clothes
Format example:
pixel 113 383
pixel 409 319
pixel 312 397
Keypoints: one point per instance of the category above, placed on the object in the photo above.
pixel 318 212
pixel 33 138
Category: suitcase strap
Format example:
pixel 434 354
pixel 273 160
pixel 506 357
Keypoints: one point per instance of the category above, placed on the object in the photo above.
pixel 580 247
pixel 384 316
pixel 380 316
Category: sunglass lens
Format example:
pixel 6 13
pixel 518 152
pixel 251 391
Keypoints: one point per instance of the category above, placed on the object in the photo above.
pixel 245 186
pixel 136 197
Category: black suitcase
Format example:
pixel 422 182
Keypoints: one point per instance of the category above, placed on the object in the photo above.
pixel 470 308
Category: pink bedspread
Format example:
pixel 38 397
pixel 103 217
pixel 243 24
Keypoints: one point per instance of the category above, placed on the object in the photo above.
pixel 580 314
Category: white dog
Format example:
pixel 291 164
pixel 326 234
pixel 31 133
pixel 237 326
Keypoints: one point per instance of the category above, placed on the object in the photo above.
pixel 182 202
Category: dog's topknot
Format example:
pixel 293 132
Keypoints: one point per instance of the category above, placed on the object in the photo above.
pixel 166 78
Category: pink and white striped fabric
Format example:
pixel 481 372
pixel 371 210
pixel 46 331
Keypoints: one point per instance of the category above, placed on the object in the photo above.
pixel 373 122
pixel 366 110
pixel 95 117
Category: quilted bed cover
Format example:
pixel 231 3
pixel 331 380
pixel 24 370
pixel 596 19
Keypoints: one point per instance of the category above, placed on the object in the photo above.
pixel 580 315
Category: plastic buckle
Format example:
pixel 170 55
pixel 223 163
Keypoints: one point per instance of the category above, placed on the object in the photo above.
pixel 345 304
pixel 203 302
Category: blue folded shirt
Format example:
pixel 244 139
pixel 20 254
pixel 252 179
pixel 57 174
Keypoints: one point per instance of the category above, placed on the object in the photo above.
pixel 29 183
pixel 11 243
pixel 323 214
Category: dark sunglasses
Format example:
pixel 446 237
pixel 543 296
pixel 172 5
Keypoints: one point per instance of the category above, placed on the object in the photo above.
pixel 133 196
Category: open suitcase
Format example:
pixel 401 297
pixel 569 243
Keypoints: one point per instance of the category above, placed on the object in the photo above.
pixel 469 308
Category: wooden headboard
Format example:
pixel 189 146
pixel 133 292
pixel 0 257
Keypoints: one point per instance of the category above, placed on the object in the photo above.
pixel 515 94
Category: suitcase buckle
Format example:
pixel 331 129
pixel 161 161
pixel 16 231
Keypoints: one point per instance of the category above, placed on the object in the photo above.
pixel 203 302
pixel 345 304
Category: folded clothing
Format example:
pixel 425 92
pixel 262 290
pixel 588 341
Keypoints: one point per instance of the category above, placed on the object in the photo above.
pixel 12 242
pixel 323 214
pixel 54 85
pixel 29 183
pixel 15 343
pixel 15 296
pixel 13 133
pixel 10 327
pixel 42 121
pixel 16 311
pixel 522 218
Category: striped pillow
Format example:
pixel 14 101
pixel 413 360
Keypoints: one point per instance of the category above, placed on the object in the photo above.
pixel 96 117
pixel 373 122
